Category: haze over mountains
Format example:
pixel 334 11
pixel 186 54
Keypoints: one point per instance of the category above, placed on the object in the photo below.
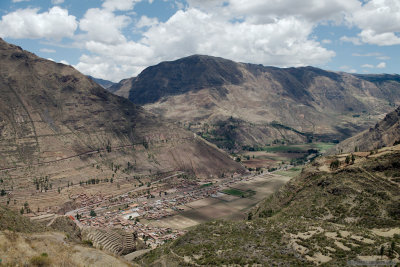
pixel 237 104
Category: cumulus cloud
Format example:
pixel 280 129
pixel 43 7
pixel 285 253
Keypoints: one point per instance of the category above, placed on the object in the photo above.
pixel 384 39
pixel 286 42
pixel 381 65
pixel 17 1
pixel 379 21
pixel 258 11
pixel 104 26
pixel 283 43
pixel 146 22
pixel 28 23
pixel 123 5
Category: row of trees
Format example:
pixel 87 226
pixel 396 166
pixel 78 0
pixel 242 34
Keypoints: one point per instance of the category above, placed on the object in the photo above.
pixel 336 163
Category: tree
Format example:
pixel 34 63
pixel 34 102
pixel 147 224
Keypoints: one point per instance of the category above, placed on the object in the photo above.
pixel 382 251
pixel 335 164
pixel 250 216
pixel 353 158
pixel 347 159
pixel 93 213
pixel 3 192
pixel 391 251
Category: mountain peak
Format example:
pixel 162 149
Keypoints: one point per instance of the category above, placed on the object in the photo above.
pixel 191 73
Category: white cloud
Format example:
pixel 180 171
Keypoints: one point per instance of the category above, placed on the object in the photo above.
pixel 28 23
pixel 381 65
pixel 103 25
pixel 64 62
pixel 326 41
pixel 354 40
pixel 369 66
pixel 146 22
pixel 283 42
pixel 261 11
pixel 124 5
pixel 17 1
pixel 384 39
pixel 348 69
pixel 47 50
pixel 57 2
pixel 379 21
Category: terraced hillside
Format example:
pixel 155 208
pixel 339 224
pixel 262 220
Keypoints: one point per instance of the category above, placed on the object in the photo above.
pixel 59 129
pixel 330 214
pixel 118 243
pixel 236 104
pixel 26 243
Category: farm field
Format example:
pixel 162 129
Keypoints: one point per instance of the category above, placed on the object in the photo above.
pixel 226 206
pixel 276 155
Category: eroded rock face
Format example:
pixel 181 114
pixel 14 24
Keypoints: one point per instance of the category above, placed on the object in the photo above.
pixel 208 90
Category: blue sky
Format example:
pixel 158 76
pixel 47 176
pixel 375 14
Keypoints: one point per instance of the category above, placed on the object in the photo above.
pixel 116 39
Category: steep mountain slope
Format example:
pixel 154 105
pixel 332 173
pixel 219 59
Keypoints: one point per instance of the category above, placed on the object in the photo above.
pixel 296 104
pixel 322 216
pixel 59 127
pixel 385 133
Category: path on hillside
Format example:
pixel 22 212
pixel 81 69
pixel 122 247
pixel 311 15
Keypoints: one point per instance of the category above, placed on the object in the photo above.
pixel 77 155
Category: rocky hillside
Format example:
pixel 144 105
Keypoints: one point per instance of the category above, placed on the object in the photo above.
pixel 331 213
pixel 296 104
pixel 58 128
pixel 385 133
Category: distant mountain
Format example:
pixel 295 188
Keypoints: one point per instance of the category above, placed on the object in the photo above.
pixel 104 83
pixel 57 123
pixel 385 133
pixel 123 87
pixel 237 104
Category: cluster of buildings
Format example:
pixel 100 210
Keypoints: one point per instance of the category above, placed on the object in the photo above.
pixel 126 211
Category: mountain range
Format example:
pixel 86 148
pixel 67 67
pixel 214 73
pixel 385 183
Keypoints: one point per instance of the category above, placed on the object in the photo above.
pixel 61 128
pixel 237 104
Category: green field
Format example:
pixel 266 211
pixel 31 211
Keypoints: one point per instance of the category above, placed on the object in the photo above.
pixel 238 193
pixel 321 147
pixel 293 172
pixel 206 185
